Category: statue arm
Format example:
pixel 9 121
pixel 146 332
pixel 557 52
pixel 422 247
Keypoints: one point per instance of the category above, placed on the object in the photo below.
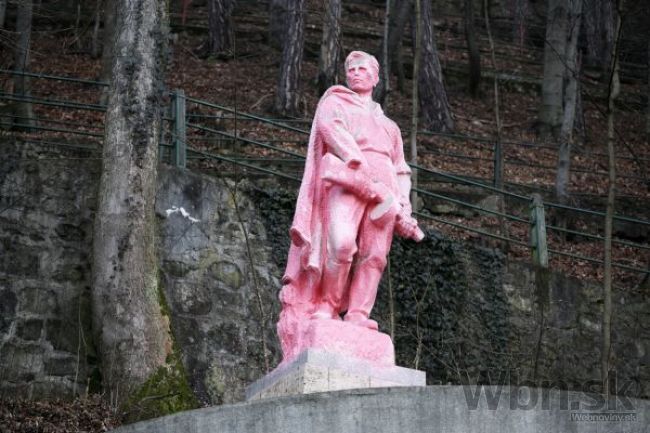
pixel 403 173
pixel 332 125
pixel 406 225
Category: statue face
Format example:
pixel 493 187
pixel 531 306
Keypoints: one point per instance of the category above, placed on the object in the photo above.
pixel 361 76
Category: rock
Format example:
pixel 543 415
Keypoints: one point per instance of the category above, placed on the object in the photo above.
pixel 7 309
pixel 228 273
pixel 30 329
pixel 490 203
pixel 63 334
pixel 36 300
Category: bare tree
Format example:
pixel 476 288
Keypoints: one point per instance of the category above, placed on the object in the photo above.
pixel 434 105
pixel 498 157
pixel 598 25
pixel 23 110
pixel 613 92
pixel 278 16
pixel 330 46
pixel 383 87
pixel 397 29
pixel 520 12
pixel 108 46
pixel 381 90
pixel 498 148
pixel 95 48
pixel 288 96
pixel 3 13
pixel 560 60
pixel 550 114
pixel 131 331
pixel 219 33
pixel 474 55
pixel 417 58
pixel 647 123
pixel 570 102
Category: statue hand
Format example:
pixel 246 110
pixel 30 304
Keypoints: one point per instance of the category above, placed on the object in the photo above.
pixel 407 227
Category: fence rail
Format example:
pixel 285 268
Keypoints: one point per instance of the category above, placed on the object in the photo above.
pixel 186 114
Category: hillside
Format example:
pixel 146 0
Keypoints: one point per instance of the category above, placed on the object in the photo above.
pixel 245 80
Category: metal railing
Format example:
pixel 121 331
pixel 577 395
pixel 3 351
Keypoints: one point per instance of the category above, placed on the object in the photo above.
pixel 184 127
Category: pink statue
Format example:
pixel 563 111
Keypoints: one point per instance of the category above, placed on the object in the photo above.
pixel 354 195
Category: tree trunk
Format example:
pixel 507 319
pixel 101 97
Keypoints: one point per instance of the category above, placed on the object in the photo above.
pixel 94 42
pixel 381 90
pixel 607 33
pixel 77 27
pixel 417 59
pixel 472 50
pixel 219 39
pixel 330 46
pixel 647 122
pixel 395 37
pixel 599 33
pixel 433 96
pixel 3 13
pixel 288 95
pixel 520 12
pixel 572 76
pixel 498 145
pixel 24 111
pixel 550 114
pixel 108 46
pixel 132 333
pixel 278 22
pixel 579 126
pixel 614 90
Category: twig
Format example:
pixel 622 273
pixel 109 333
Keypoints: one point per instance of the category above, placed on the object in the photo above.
pixel 233 194
pixel 259 101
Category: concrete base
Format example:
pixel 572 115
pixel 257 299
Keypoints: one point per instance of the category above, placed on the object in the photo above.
pixel 318 371
pixel 445 409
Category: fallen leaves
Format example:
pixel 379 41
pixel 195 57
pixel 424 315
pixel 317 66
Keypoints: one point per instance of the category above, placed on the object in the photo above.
pixel 83 415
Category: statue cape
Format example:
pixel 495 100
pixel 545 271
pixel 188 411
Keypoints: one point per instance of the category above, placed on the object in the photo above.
pixel 307 250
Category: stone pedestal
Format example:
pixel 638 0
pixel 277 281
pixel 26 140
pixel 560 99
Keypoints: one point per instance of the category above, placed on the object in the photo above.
pixel 318 371
pixel 333 355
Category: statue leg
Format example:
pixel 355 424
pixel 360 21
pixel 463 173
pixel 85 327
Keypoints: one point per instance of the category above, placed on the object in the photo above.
pixel 374 245
pixel 344 212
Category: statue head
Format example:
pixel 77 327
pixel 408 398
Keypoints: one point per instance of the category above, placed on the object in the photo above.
pixel 361 71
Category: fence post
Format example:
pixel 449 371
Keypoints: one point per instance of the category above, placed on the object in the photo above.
pixel 538 232
pixel 179 151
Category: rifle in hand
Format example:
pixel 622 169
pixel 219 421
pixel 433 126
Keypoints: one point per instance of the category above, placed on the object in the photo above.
pixel 386 210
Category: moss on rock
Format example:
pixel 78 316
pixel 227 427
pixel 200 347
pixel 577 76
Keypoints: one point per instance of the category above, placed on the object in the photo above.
pixel 165 392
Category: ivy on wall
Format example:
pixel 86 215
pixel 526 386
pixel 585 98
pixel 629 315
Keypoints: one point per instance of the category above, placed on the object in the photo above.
pixel 451 314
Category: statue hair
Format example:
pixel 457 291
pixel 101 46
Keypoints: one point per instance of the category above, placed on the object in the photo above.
pixel 362 55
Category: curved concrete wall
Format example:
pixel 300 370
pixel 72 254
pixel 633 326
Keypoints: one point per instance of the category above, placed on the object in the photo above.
pixel 452 409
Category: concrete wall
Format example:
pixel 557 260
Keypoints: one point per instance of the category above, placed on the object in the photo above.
pixel 448 409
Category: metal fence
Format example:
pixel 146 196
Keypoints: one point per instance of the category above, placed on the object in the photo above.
pixel 198 133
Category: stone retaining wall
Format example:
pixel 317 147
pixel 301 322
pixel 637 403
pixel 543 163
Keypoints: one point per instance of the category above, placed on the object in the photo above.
pixel 462 312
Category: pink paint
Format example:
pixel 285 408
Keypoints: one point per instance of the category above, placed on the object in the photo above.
pixel 354 196
pixel 346 339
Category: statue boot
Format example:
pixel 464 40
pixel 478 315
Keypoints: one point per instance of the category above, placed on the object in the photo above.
pixel 333 284
pixel 363 292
